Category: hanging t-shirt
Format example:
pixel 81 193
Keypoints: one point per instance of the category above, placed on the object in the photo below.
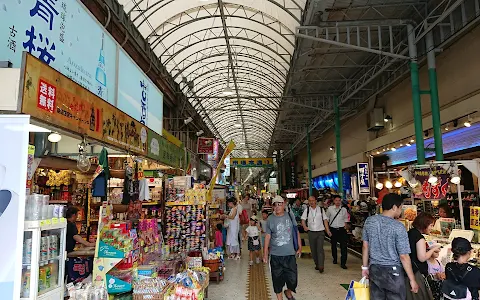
pixel 144 194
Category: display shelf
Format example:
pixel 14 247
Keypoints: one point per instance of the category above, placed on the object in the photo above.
pixel 184 203
pixel 48 224
pixel 150 203
pixel 58 202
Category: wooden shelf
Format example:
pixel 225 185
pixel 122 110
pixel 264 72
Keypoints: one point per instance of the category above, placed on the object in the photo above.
pixel 150 203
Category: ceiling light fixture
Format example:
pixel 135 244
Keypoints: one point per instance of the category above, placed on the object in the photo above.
pixel 379 185
pixel 228 91
pixel 454 178
pixel 332 148
pixel 432 179
pixel 188 120
pixel 398 184
pixel 408 144
pixel 199 133
pixel 394 149
pixel 412 141
pixel 54 137
pixel 388 184
pixel 387 118
pixel 468 122
pixel 446 128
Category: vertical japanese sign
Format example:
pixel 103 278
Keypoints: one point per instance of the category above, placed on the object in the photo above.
pixel 363 178
pixel 137 95
pixel 62 34
pixel 13 175
pixel 475 217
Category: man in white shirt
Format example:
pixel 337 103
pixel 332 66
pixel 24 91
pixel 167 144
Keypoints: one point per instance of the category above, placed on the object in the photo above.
pixel 315 222
pixel 338 219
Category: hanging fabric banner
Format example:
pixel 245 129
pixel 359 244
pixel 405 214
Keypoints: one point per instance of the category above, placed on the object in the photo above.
pixel 227 152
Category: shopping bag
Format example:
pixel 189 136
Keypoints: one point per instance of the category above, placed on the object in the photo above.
pixel 358 290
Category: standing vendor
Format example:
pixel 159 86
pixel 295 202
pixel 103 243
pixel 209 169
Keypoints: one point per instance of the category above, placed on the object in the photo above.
pixel 72 232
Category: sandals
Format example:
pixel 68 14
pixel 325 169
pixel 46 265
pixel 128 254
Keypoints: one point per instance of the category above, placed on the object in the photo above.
pixel 291 298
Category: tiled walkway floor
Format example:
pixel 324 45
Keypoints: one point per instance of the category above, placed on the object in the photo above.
pixel 312 285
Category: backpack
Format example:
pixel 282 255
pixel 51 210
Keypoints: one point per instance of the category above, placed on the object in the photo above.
pixel 454 289
pixel 243 217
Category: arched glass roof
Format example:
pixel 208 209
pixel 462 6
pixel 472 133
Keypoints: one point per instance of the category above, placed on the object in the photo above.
pixel 209 45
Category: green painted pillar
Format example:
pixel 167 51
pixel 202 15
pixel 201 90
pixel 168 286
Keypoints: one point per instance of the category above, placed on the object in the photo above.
pixel 309 161
pixel 416 99
pixel 279 171
pixel 338 146
pixel 432 78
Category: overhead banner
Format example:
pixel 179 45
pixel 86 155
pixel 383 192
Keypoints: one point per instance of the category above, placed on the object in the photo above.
pixel 363 178
pixel 13 175
pixel 205 145
pixel 52 97
pixel 226 153
pixel 261 162
pixel 427 190
pixel 160 149
pixel 138 96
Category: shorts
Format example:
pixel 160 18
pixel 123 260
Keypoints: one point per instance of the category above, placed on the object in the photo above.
pixel 284 271
pixel 387 283
pixel 251 246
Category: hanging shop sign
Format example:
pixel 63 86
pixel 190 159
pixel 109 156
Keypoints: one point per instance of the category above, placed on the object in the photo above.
pixel 52 97
pixel 261 162
pixel 363 178
pixel 160 149
pixel 63 35
pixel 13 175
pixel 428 190
pixel 205 145
pixel 137 95
pixel 293 175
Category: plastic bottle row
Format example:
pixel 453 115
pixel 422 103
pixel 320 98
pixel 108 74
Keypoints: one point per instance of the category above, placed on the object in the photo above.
pixel 37 208
pixel 48 278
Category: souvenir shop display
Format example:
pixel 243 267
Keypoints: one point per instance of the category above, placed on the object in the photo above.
pixel 185 227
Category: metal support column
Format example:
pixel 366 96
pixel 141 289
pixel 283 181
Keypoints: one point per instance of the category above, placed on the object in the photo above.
pixel 309 161
pixel 338 146
pixel 417 105
pixel 432 78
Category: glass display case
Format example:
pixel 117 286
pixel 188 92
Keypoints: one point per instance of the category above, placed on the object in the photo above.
pixel 43 259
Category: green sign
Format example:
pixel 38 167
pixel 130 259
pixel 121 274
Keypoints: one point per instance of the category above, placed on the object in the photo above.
pixel 161 150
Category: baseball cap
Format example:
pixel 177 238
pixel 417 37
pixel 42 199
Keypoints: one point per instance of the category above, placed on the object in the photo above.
pixel 253 218
pixel 461 245
pixel 278 199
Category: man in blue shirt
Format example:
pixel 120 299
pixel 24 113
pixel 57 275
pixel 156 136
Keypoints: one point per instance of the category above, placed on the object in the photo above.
pixel 386 252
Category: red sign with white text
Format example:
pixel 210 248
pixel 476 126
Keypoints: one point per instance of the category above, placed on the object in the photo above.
pixel 205 145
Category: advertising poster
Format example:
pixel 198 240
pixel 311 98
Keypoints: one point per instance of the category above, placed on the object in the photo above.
pixel 65 36
pixel 363 178
pixel 51 97
pixel 138 96
pixel 13 175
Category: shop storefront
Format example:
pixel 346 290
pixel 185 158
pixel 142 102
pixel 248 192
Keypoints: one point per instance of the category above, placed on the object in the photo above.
pixel 116 172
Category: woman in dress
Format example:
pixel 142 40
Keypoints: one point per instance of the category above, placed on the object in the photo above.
pixel 233 230
pixel 419 255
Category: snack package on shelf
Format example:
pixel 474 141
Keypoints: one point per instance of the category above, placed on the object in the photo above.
pixel 81 291
pixel 188 285
pixel 185 228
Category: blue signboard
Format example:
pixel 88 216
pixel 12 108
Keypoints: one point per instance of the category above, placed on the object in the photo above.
pixel 63 35
pixel 138 96
pixel 363 178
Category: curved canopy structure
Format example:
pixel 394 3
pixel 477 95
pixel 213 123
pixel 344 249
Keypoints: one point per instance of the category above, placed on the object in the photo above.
pixel 210 46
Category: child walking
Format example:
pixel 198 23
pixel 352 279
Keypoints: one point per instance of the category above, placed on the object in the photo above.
pixel 219 236
pixel 263 225
pixel 253 233
pixel 437 275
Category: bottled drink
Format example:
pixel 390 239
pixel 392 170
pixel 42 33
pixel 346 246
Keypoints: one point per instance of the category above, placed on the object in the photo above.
pixel 42 278
pixel 26 283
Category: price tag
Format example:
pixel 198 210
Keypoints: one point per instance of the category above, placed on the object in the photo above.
pixel 42 223
pixel 63 220
pixel 48 222
pixel 55 221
